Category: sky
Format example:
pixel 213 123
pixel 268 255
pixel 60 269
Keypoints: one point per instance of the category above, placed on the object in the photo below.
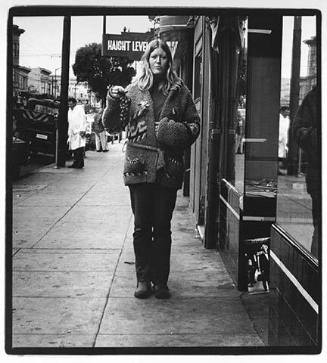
pixel 40 44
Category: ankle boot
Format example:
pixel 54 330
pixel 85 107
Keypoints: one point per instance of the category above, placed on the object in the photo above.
pixel 143 290
pixel 161 291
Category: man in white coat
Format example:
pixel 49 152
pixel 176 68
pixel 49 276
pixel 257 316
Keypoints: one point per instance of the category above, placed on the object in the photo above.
pixel 284 125
pixel 76 132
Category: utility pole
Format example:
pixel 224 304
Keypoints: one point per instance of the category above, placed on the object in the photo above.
pixel 293 149
pixel 52 86
pixel 104 29
pixel 61 145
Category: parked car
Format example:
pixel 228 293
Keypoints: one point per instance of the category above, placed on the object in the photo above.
pixel 36 125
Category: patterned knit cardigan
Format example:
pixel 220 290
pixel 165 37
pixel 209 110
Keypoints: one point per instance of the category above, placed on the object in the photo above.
pixel 154 153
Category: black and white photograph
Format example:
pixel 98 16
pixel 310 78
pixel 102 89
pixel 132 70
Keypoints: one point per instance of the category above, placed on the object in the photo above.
pixel 163 179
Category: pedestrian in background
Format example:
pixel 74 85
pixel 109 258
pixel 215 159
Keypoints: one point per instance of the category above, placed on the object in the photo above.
pixel 76 132
pixel 162 122
pixel 100 132
pixel 284 125
pixel 305 128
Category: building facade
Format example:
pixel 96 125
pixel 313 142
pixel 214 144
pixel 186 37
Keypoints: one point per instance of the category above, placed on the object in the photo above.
pixel 39 81
pixel 80 91
pixel 20 73
pixel 310 80
pixel 242 206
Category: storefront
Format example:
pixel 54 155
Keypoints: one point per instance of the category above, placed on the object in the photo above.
pixel 296 234
pixel 246 207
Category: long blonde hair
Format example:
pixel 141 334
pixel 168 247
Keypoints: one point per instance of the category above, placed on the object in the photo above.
pixel 145 77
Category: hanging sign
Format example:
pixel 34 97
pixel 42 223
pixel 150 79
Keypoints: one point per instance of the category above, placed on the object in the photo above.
pixel 126 44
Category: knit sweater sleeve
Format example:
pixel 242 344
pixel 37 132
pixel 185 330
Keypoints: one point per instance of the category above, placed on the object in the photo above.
pixel 116 114
pixel 180 130
pixel 191 117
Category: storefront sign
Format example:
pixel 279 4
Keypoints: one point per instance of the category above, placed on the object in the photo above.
pixel 126 44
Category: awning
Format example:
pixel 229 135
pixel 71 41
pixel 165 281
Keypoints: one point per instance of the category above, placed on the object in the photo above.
pixel 172 27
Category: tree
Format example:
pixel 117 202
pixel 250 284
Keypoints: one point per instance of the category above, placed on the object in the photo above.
pixel 99 71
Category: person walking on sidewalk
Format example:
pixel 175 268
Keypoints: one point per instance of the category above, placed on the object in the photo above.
pixel 162 122
pixel 76 132
pixel 99 132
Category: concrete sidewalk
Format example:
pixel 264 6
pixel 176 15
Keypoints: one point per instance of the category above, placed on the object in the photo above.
pixel 73 269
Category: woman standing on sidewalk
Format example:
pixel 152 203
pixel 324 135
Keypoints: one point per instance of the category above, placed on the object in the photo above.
pixel 99 132
pixel 162 122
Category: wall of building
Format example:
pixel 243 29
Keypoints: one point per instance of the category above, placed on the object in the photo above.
pixel 20 73
pixel 248 211
pixel 39 81
pixel 297 279
pixel 78 90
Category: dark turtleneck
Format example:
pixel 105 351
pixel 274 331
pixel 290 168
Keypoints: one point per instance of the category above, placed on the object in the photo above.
pixel 158 98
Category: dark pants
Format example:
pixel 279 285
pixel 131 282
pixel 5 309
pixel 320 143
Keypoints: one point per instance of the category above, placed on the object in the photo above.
pixel 152 207
pixel 78 157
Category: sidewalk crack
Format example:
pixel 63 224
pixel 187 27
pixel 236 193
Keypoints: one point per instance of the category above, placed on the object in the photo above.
pixel 64 215
pixel 111 282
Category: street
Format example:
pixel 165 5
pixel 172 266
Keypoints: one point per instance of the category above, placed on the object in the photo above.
pixel 73 269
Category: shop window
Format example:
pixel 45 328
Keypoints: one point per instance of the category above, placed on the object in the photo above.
pixel 237 70
pixel 299 183
pixel 240 115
